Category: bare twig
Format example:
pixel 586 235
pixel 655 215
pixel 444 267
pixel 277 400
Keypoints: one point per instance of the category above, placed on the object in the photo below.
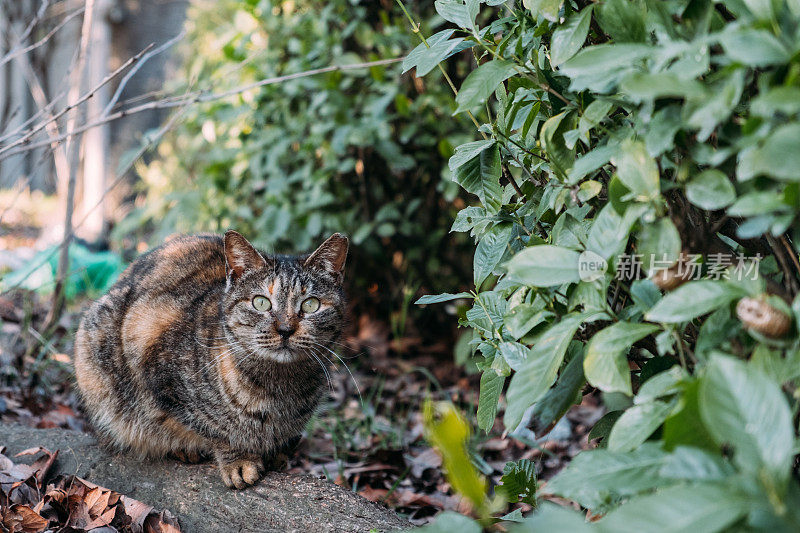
pixel 188 99
pixel 69 107
pixel 28 29
pixel 132 72
pixel 16 53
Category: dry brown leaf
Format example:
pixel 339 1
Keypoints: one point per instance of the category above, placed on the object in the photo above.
pixel 55 494
pixel 373 494
pixel 104 519
pixel 162 522
pixel 23 519
pixel 91 497
pixel 32 451
pixel 137 510
pixel 42 465
pixel 5 462
pixel 78 514
pixel 100 504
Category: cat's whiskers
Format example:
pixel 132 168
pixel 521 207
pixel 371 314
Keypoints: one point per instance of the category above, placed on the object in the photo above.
pixel 358 389
pixel 322 365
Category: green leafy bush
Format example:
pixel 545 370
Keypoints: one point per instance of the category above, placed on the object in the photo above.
pixel 635 155
pixel 359 151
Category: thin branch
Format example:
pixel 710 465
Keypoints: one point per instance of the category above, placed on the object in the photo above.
pixel 16 53
pixel 190 98
pixel 132 72
pixel 29 28
pixel 42 125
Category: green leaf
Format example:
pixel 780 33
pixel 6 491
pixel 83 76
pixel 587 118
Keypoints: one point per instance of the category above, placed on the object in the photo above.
pixel 552 138
pixel 491 387
pixel 439 47
pixel 458 12
pixel 761 9
pixel 487 312
pixel 754 48
pixel 568 38
pixel 602 428
pixel 599 68
pixel 449 432
pixel 481 83
pixel 641 86
pixel 467 152
pixel 659 244
pixel 544 265
pixel 589 189
pixel 623 20
pixel 684 427
pixel 637 170
pixel 444 297
pixel 594 114
pixel 758 203
pixel 645 294
pixel 660 135
pixel 716 329
pixel 449 521
pixel 605 364
pixel 707 508
pixel 711 190
pixel 777 156
pixel 659 385
pixel 489 251
pixel 784 100
pixel 637 424
pixel 706 114
pixel 552 517
pixel 539 370
pixel 547 8
pixel 514 353
pixel 741 407
pixel 473 219
pixel 518 483
pixel 563 395
pixel 691 300
pixel 694 464
pixel 481 176
pixel 595 477
pixel 590 162
pixel 608 235
pixel 523 318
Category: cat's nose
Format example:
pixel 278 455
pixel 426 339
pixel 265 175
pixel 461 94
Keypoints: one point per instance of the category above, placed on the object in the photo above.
pixel 286 330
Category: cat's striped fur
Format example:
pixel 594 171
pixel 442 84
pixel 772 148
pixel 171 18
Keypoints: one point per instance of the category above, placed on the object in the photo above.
pixel 176 359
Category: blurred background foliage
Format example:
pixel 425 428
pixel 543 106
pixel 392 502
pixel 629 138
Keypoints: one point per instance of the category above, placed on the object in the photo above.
pixel 361 151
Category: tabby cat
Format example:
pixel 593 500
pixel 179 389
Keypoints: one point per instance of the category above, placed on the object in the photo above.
pixel 206 346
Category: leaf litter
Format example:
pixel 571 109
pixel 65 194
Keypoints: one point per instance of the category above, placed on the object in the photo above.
pixel 31 502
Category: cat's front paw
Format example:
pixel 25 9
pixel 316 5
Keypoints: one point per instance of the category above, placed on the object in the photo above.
pixel 242 471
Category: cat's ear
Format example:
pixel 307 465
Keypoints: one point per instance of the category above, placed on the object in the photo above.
pixel 330 256
pixel 240 256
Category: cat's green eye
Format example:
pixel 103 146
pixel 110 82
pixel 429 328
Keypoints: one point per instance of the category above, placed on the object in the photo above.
pixel 262 303
pixel 310 305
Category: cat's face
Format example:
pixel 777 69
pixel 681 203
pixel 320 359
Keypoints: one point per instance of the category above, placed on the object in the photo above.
pixel 284 308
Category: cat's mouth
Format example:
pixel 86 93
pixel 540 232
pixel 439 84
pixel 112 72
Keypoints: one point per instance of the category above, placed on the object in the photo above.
pixel 284 354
